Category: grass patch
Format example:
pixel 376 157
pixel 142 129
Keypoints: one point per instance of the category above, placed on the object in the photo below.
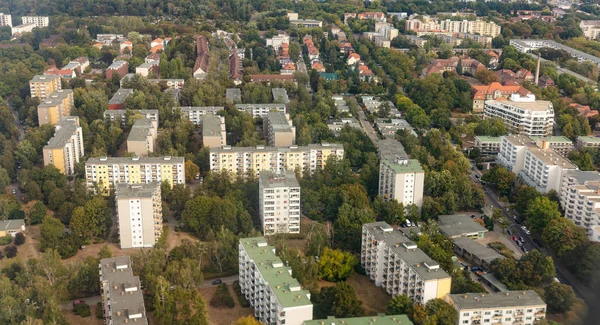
pixel 99 310
pixel 222 298
pixel 6 240
pixel 82 310
pixel 502 249
pixel 238 291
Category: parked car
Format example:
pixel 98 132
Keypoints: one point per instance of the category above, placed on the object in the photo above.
pixel 520 244
pixel 14 191
pixel 217 281
pixel 521 239
pixel 525 251
pixel 515 239
pixel 508 231
pixel 526 230
pixel 78 302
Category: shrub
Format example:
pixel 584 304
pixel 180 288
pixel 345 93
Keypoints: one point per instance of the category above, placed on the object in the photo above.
pixel 19 239
pixel 10 251
pixel 6 240
pixel 222 298
pixel 238 291
pixel 82 310
pixel 99 310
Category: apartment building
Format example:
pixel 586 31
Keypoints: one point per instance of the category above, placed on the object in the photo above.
pixel 279 130
pixel 580 198
pixel 19 30
pixel 587 142
pixel 279 202
pixel 103 173
pixel 523 115
pixel 541 167
pixel 400 178
pixel 495 90
pixel 261 110
pixel 488 145
pixel 117 68
pixel 501 308
pixel 146 69
pixel 5 20
pixel 590 28
pixel 66 146
pixel 122 115
pixel 250 161
pixel 562 145
pixel 395 263
pixel 280 96
pixel 233 95
pixel 269 286
pixel 195 113
pixel 41 86
pixel 56 106
pixel 368 320
pixel 336 126
pixel 427 23
pixel 117 101
pixel 142 137
pixel 38 21
pixel 277 41
pixel 121 291
pixel 213 131
pixel 139 213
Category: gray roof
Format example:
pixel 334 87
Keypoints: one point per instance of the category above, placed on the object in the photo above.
pixel 251 106
pixel 517 299
pixel 279 122
pixel 583 177
pixel 135 160
pixel 415 257
pixel 146 65
pixel 459 224
pixel 140 130
pixel 55 98
pixel 270 179
pixel 65 129
pixel 116 65
pixel 44 78
pixel 120 95
pixel 14 224
pixel 207 109
pixel 489 277
pixel 280 149
pixel 211 125
pixel 391 149
pixel 125 291
pixel 478 250
pixel 280 95
pixel 124 191
pixel 233 94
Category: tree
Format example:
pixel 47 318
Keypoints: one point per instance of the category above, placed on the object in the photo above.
pixel 336 265
pixel 444 313
pixel 540 212
pixel 19 239
pixel 559 297
pixel 10 251
pixel 503 179
pixel 191 170
pixel 563 236
pixel 486 76
pixel 536 268
pixel 52 232
pixel 399 305
pixel 92 220
pixel 339 301
pixel 247 320
pixel 37 214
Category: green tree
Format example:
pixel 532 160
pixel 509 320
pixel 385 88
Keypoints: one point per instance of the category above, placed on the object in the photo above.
pixel 540 212
pixel 37 214
pixel 563 236
pixel 339 301
pixel 247 320
pixel 92 220
pixel 503 179
pixel 443 312
pixel 52 232
pixel 399 305
pixel 559 297
pixel 191 170
pixel 536 268
pixel 336 265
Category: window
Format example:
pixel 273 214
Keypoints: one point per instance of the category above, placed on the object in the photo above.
pixel 465 314
pixel 507 319
pixel 465 321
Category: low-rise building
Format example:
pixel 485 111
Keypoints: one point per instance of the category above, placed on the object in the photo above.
pixel 389 127
pixel 413 273
pixel 261 110
pixel 306 23
pixel 336 126
pixel 280 96
pixel 474 252
pixel 279 130
pixel 268 78
pixel 269 287
pixel 488 145
pixel 278 40
pixel 213 131
pixel 495 90
pixel 118 99
pixel 142 137
pixel 195 113
pixel 11 227
pixel 587 142
pixel 66 146
pixel 580 198
pixel 416 40
pixel 41 86
pixel 56 106
pixel 19 30
pixel 139 214
pixel 502 308
pixel 460 226
pixel 590 28
pixel 400 178
pixel 279 202
pixel 146 69
pixel 561 144
pixel 121 291
pixel 117 68
pixel 523 115
pixel 121 115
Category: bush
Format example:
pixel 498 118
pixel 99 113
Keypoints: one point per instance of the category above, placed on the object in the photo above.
pixel 238 291
pixel 6 240
pixel 19 239
pixel 10 251
pixel 222 298
pixel 99 310
pixel 82 310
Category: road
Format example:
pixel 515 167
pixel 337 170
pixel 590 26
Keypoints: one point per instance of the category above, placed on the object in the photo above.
pixel 367 127
pixel 227 279
pixel 14 187
pixel 302 65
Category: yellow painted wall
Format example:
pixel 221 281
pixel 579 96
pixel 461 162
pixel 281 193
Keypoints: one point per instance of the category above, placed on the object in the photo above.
pixel 58 158
pixel 134 174
pixel 443 287
pixel 166 171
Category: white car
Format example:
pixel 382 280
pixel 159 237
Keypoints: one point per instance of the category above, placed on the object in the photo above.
pixel 526 230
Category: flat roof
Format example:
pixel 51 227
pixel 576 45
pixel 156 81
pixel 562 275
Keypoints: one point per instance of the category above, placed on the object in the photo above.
pixel 140 130
pixel 120 96
pixel 480 251
pixel 368 320
pixel 126 191
pixel 270 179
pixel 134 160
pixel 286 288
pixel 66 128
pixel 416 258
pixel 489 277
pixel 584 177
pixel 391 149
pixel 279 122
pixel 125 291
pixel 553 139
pixel 527 298
pixel 459 224
pixel 588 139
pixel 43 78
pixel 537 106
pixel 116 65
pixel 207 109
pixel 233 94
pixel 412 166
pixel 13 224
pixel 547 156
pixel 280 149
pixel 251 106
pixel 123 112
pixel 280 95
pixel 488 139
pixel 56 98
pixel 211 125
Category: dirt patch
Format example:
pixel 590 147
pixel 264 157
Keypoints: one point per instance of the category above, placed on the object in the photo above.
pixel 374 299
pixel 94 249
pixel 31 248
pixel 494 236
pixel 175 238
pixel 223 315
pixel 90 320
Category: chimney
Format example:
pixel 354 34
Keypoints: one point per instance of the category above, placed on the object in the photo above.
pixel 537 69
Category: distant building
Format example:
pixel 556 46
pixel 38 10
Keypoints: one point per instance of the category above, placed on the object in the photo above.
pixel 280 96
pixel 5 20
pixel 390 127
pixel 42 86
pixel 201 65
pixel 336 126
pixel 66 146
pixel 268 78
pixel 195 113
pixel 306 23
pixel 139 213
pixel 368 320
pixel 478 26
pixel 279 202
pixel 142 137
pixel 121 115
pixel 465 65
pixel 117 68
pixel 18 31
pixel 38 21
pixel 580 200
pixel 56 106
pixel 587 142
pixel 545 82
pixel 121 291
pixel 522 115
pixel 495 90
pixel 590 28
pixel 584 110
pixel 416 40
pixel 488 145
pixel 146 69
pixel 277 41
pixel 213 131
pixel 400 178
pixel 261 110
pixel 279 130
pixel 11 227
pixel 118 99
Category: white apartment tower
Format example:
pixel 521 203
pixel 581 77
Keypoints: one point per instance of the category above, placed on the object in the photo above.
pixel 5 20
pixel 279 199
pixel 38 21
pixel 139 211
pixel 523 114
pixel 395 263
pixel 268 285
pixel 66 146
pixel 400 178
pixel 580 198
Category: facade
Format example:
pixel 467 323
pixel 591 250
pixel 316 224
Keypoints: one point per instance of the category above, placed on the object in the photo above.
pixel 502 308
pixel 590 28
pixel 196 113
pixel 523 116
pixel 541 167
pixel 395 263
pixel 336 126
pixel 261 110
pixel 41 86
pixel 277 41
pixel 250 161
pixel 279 202
pixel 527 45
pixel 38 21
pixel 104 173
pixel 121 291
pixel 66 146
pixel 269 287
pixel 142 136
pixel 488 145
pixel 562 145
pixel 213 131
pixel 20 29
pixel 117 68
pixel 5 20
pixel 146 69
pixel 580 198
pixel 118 99
pixel 272 77
pixel 426 23
pixel 495 90
pixel 121 115
pixel 279 130
pixel 587 142
pixel 369 320
pixel 11 227
pixel 400 178
pixel 56 106
pixel 306 23
pixel 139 213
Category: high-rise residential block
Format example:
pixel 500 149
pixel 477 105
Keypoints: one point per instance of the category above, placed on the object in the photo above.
pixel 121 115
pixel 394 262
pixel 269 287
pixel 121 291
pixel 478 26
pixel 279 202
pixel 400 178
pixel 56 106
pixel 261 110
pixel 279 130
pixel 523 115
pixel 580 198
pixel 142 137
pixel 104 173
pixel 38 21
pixel 5 20
pixel 213 131
pixel 42 86
pixel 66 146
pixel 249 161
pixel 139 212
pixel 500 308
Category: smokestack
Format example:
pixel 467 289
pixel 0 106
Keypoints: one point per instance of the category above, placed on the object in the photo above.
pixel 537 70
